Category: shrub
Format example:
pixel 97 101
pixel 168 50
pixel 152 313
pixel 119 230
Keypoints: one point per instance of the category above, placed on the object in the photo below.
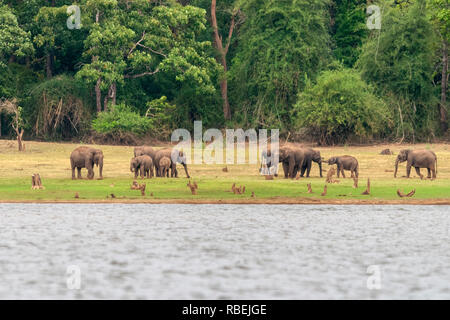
pixel 339 106
pixel 120 120
pixel 161 114
pixel 58 108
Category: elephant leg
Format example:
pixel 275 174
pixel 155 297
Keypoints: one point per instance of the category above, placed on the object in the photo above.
pixel 433 171
pixel 302 172
pixel 142 172
pixel 343 173
pixel 285 170
pixel 308 169
pixel 295 171
pixel 136 172
pixel 418 172
pixel 429 173
pixel 408 170
pixel 73 173
pixel 79 173
pixel 338 171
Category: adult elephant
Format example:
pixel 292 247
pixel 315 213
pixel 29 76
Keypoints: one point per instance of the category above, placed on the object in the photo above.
pixel 292 159
pixel 345 163
pixel 417 159
pixel 175 156
pixel 86 157
pixel 146 150
pixel 310 156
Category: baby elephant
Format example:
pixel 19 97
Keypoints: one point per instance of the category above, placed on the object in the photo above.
pixel 164 166
pixel 345 163
pixel 142 164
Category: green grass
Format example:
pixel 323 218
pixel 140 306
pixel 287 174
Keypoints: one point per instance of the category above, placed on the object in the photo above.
pixel 216 189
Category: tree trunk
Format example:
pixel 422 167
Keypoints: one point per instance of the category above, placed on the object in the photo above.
pixel 222 58
pixel 98 95
pixel 444 86
pixel 224 91
pixel 49 65
pixel 19 139
pixel 113 93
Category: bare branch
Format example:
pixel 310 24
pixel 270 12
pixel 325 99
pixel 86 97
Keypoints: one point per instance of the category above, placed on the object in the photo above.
pixel 148 73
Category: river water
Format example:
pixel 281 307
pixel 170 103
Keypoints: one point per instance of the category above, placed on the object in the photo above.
pixel 146 251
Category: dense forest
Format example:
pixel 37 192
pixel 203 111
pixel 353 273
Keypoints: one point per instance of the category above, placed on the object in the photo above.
pixel 320 70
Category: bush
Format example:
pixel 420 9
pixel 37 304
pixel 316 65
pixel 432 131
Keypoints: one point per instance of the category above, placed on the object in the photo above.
pixel 58 108
pixel 339 106
pixel 120 120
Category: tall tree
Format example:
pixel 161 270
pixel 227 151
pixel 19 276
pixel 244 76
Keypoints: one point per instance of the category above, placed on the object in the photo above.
pixel 130 40
pixel 13 39
pixel 440 12
pixel 399 60
pixel 348 28
pixel 222 51
pixel 282 44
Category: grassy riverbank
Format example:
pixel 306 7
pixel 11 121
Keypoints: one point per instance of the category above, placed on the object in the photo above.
pixel 51 161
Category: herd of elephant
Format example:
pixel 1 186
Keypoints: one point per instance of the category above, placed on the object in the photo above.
pixel 148 162
pixel 299 159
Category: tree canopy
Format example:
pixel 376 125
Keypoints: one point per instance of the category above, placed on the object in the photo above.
pixel 311 68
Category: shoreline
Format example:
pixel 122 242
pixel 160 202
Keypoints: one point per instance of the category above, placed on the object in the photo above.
pixel 269 201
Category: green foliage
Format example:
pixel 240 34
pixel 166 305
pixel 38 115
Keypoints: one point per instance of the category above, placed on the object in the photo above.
pixel 157 56
pixel 349 29
pixel 440 12
pixel 142 39
pixel 161 113
pixel 341 106
pixel 399 62
pixel 281 45
pixel 13 39
pixel 121 119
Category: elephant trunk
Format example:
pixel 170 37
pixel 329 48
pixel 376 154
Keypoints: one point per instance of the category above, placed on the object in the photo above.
pixel 185 169
pixel 396 167
pixel 320 168
pixel 100 168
